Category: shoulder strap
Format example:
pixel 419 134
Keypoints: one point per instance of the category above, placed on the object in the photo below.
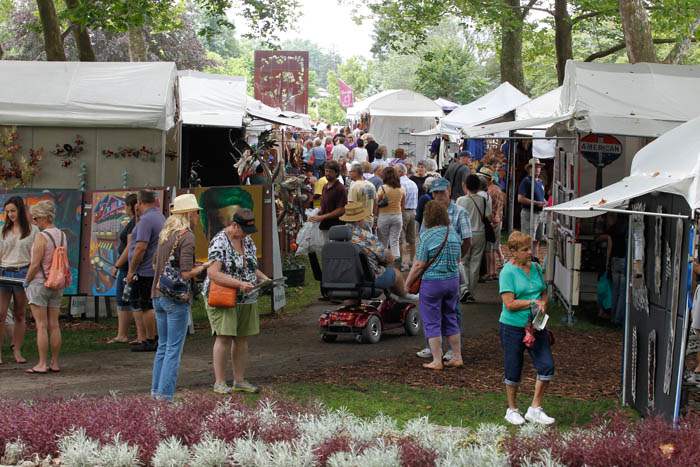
pixel 442 246
pixel 50 237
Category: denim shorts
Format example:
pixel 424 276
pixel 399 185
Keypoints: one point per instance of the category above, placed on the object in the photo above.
pixel 13 273
pixel 514 348
pixel 386 279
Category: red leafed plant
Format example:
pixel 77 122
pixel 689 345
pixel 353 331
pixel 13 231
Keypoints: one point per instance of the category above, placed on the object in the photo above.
pixel 616 440
pixel 415 455
pixel 327 448
pixel 16 170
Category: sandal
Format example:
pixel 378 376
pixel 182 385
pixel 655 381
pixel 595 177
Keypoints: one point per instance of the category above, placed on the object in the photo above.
pixel 114 340
pixel 32 371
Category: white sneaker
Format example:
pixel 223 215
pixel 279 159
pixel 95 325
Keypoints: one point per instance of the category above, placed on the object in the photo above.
pixel 447 356
pixel 513 417
pixel 222 388
pixel 537 415
pixel 425 353
pixel 410 297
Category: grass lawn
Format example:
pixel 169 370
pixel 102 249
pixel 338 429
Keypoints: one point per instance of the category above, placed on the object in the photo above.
pixel 443 406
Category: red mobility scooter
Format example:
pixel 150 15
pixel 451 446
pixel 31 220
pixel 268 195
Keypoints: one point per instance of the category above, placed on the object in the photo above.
pixel 346 276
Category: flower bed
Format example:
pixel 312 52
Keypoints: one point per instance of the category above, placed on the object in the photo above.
pixel 202 430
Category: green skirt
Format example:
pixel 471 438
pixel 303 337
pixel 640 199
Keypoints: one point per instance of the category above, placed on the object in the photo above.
pixel 242 320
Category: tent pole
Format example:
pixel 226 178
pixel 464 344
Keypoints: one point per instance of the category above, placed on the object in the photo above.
pixel 532 207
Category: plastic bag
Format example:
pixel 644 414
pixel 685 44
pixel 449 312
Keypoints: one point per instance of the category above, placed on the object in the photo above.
pixel 604 292
pixel 309 237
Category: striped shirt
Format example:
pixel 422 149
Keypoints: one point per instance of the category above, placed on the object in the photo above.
pixel 446 265
pixel 411 190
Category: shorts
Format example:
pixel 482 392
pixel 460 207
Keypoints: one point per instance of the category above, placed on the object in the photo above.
pixel 42 296
pixel 386 279
pixel 239 321
pixel 141 294
pixel 13 273
pixel 121 303
pixel 408 230
pixel 514 348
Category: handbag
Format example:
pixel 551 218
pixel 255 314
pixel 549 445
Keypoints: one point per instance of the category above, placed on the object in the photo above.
pixel 384 202
pixel 490 234
pixel 171 284
pixel 221 296
pixel 414 286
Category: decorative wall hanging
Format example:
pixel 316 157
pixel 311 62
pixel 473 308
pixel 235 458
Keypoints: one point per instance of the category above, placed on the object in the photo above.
pixel 667 263
pixel 634 363
pixel 143 153
pixel 658 233
pixel 69 152
pixel 675 289
pixel 16 170
pixel 651 369
pixel 638 240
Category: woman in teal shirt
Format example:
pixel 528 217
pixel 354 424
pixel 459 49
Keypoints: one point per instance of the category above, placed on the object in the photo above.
pixel 522 289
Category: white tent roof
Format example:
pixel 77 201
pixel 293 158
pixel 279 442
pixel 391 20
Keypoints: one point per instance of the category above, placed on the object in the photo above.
pixel 260 111
pixel 505 98
pixel 396 103
pixel 87 94
pixel 643 99
pixel 212 100
pixel 542 106
pixel 669 164
pixel 445 104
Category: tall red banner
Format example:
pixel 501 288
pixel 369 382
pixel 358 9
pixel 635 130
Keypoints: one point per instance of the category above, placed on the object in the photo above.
pixel 282 79
pixel 346 97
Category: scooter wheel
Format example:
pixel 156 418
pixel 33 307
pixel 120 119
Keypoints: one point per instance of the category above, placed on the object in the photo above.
pixel 412 322
pixel 372 332
pixel 329 337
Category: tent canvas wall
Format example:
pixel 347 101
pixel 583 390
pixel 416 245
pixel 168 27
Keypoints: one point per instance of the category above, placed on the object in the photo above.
pixel 110 106
pixel 394 114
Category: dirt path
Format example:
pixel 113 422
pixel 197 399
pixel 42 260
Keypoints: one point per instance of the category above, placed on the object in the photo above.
pixel 285 346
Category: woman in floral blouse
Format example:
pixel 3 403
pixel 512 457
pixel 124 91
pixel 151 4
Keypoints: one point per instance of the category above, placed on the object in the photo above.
pixel 234 264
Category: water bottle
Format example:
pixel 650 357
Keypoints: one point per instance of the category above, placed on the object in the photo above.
pixel 126 295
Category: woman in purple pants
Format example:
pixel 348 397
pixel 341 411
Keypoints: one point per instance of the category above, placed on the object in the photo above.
pixel 437 261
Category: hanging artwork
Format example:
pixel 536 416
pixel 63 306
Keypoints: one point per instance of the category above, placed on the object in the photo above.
pixel 16 170
pixel 657 235
pixel 218 205
pixel 143 153
pixel 667 263
pixel 673 312
pixel 69 205
pixel 69 152
pixel 638 240
pixel 634 363
pixel 651 369
pixel 107 216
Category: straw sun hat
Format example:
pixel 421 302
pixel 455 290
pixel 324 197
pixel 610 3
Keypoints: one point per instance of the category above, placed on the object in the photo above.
pixel 184 203
pixel 355 211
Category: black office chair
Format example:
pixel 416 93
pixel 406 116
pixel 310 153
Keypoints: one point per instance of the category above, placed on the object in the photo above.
pixel 346 273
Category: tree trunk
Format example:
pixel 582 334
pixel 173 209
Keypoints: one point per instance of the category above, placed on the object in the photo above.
pixel 562 37
pixel 637 31
pixel 52 33
pixel 82 38
pixel 137 45
pixel 682 47
pixel 512 47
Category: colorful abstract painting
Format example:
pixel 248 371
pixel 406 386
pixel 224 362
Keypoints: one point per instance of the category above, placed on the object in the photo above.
pixel 107 211
pixel 218 205
pixel 69 205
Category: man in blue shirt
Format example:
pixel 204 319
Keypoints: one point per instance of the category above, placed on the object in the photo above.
pixel 533 227
pixel 142 249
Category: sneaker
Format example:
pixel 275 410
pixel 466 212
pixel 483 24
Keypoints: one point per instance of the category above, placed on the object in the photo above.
pixel 513 417
pixel 467 297
pixel 410 297
pixel 425 353
pixel 447 356
pixel 145 346
pixel 245 386
pixel 221 388
pixel 537 415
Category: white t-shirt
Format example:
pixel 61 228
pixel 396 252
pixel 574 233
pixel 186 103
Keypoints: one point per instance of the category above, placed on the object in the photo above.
pixel 360 155
pixel 339 150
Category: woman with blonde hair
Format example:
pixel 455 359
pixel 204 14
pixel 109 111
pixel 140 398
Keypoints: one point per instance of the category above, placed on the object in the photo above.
pixel 44 302
pixel 524 293
pixel 174 263
pixel 391 198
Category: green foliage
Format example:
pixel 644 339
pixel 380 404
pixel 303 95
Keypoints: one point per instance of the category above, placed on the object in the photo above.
pixel 320 61
pixel 328 108
pixel 355 73
pixel 233 66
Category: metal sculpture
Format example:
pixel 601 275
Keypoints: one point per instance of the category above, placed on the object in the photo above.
pixel 675 289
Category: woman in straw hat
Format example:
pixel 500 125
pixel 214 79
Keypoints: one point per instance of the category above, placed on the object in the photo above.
pixel 175 248
pixel 357 216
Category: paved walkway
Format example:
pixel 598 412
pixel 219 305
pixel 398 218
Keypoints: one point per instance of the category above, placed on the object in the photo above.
pixel 284 346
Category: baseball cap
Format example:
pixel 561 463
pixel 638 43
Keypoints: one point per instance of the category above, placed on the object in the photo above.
pixel 246 219
pixel 439 184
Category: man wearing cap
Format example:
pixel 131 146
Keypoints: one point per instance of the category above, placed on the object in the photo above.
pixel 459 221
pixel 379 258
pixel 535 226
pixel 457 173
pixel 334 197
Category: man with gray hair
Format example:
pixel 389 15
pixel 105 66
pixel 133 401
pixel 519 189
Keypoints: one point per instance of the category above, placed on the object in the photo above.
pixel 408 231
pixel 376 179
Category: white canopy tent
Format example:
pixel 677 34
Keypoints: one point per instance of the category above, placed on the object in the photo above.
pixel 212 100
pixel 394 113
pixel 446 105
pixel 88 94
pixel 262 112
pixel 652 170
pixel 505 98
